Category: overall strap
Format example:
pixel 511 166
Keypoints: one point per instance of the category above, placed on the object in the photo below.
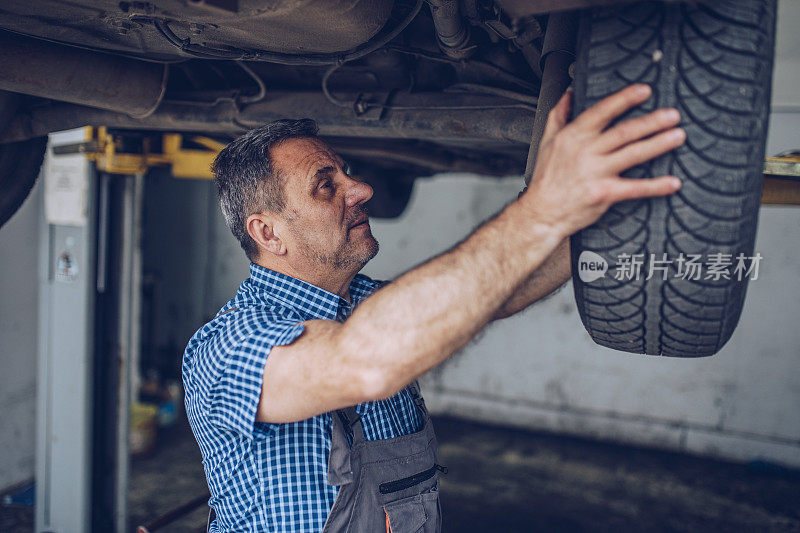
pixel 413 388
pixel 354 424
pixel 346 430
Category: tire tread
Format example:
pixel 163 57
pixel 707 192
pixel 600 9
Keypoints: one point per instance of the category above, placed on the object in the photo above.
pixel 716 69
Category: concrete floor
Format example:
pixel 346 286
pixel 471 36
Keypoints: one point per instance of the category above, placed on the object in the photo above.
pixel 505 480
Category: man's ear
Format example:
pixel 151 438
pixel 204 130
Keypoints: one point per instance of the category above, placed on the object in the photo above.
pixel 261 228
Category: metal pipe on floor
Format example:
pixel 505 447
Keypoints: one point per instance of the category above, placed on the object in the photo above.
pixel 174 514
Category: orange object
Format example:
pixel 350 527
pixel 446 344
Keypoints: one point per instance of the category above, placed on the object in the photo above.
pixel 388 525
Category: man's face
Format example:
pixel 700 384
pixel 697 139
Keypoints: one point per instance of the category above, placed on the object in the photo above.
pixel 327 224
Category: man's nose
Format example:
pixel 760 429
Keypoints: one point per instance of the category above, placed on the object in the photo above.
pixel 358 192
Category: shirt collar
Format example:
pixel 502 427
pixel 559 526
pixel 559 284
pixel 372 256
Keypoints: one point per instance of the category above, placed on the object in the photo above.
pixel 309 300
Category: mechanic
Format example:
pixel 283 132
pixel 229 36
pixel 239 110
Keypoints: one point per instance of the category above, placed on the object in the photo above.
pixel 270 382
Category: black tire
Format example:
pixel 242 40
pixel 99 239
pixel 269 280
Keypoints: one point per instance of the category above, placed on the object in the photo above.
pixel 713 62
pixel 19 167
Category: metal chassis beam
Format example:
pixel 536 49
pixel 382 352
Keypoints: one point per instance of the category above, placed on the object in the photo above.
pixel 423 116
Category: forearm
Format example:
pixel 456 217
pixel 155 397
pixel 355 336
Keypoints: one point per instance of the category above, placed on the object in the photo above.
pixel 553 273
pixel 420 319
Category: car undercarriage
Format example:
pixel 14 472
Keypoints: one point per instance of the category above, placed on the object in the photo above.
pixel 418 100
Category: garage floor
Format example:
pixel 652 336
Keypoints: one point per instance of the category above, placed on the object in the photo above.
pixel 504 480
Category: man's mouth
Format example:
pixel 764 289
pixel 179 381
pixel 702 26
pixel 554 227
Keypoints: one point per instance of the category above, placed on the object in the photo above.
pixel 363 221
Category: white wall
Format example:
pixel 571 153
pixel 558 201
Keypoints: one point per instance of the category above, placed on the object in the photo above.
pixel 786 80
pixel 19 289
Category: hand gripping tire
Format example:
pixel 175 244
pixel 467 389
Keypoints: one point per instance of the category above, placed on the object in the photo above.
pixel 713 62
pixel 19 167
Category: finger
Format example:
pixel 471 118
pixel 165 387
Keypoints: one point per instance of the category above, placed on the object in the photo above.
pixel 637 128
pixel 620 189
pixel 600 115
pixel 641 151
pixel 557 118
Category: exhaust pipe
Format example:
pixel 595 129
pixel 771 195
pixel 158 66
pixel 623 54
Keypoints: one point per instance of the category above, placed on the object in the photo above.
pixel 70 74
pixel 451 31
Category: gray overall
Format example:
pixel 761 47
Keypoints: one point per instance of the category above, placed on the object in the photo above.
pixel 389 485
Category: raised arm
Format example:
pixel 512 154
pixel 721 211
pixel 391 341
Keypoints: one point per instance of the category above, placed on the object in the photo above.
pixel 416 322
pixel 553 273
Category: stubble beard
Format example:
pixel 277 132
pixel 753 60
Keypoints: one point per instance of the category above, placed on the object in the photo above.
pixel 346 257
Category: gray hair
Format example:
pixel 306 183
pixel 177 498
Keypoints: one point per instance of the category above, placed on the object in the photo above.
pixel 246 181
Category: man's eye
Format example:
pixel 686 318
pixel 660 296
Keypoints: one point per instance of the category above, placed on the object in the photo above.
pixel 326 184
pixel 348 171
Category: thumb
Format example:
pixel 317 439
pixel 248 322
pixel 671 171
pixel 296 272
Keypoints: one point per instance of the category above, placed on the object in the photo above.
pixel 558 117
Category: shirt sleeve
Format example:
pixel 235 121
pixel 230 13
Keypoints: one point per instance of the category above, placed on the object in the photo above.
pixel 235 395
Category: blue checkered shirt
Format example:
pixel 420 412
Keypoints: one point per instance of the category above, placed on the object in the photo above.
pixel 270 477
